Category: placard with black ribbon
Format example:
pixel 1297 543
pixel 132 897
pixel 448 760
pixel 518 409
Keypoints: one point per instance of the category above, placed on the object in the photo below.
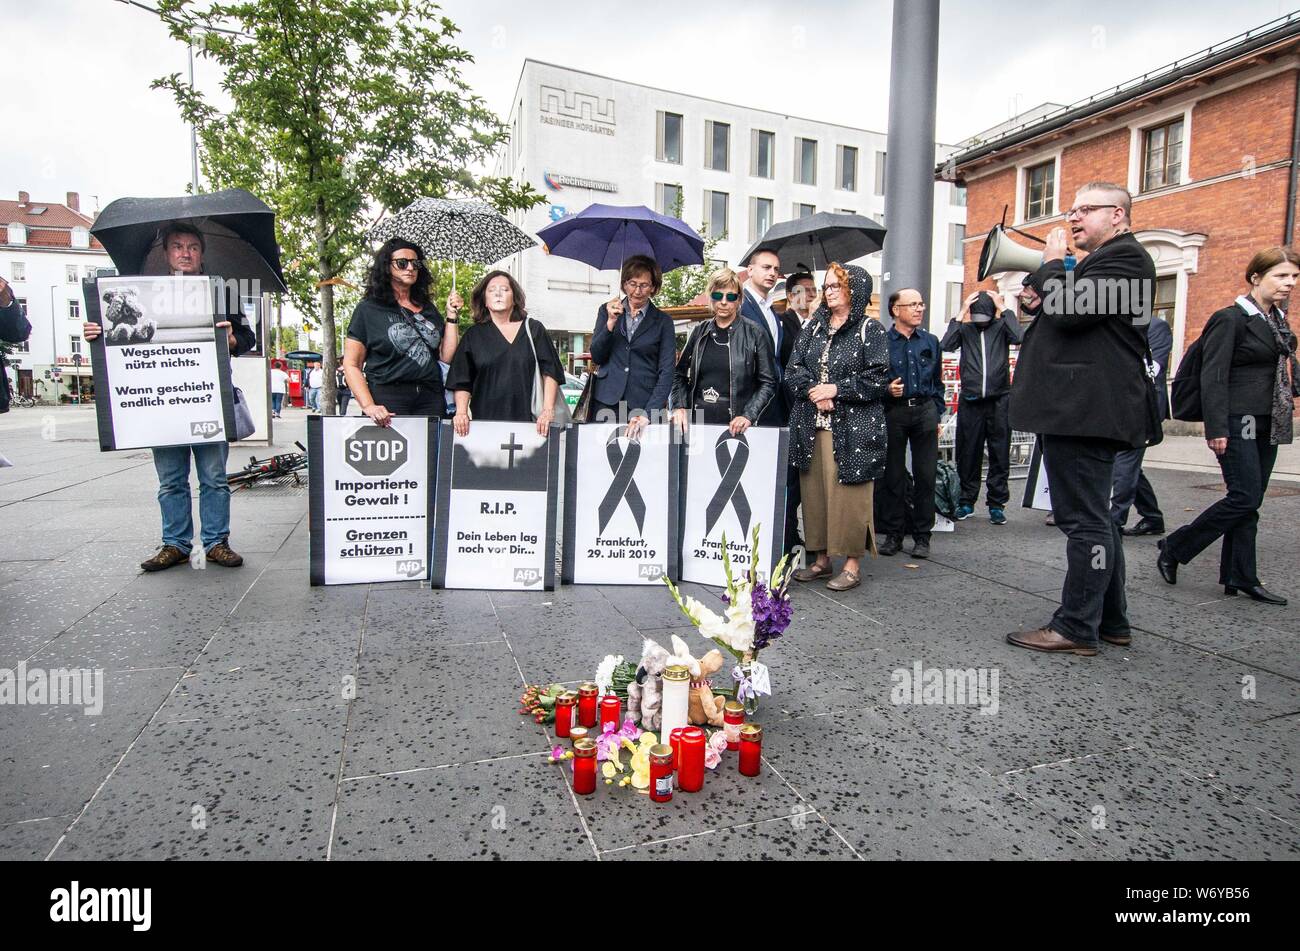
pixel 161 367
pixel 620 505
pixel 371 498
pixel 497 495
pixel 1037 495
pixel 730 485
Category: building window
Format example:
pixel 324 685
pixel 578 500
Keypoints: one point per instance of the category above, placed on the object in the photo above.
pixel 668 137
pixel 846 168
pixel 804 211
pixel 70 273
pixel 18 271
pixel 956 235
pixel 954 299
pixel 761 211
pixel 717 154
pixel 805 161
pixel 957 197
pixel 845 211
pixel 668 200
pixel 715 213
pixel 1166 297
pixel 74 310
pixel 1162 155
pixel 880 173
pixel 22 302
pixel 76 344
pixel 89 271
pixel 762 148
pixel 1040 190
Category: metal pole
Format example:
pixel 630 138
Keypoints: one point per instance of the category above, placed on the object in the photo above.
pixel 54 346
pixel 194 138
pixel 909 161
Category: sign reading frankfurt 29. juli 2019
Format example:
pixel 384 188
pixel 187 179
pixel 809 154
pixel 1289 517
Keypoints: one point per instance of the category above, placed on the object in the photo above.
pixel 371 498
pixel 162 369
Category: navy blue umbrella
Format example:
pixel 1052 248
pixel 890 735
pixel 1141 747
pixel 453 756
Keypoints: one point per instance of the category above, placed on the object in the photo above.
pixel 604 236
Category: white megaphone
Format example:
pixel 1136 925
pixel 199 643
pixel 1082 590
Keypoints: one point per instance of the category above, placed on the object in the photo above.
pixel 1001 254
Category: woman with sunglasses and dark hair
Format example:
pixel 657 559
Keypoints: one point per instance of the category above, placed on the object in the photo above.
pixel 727 371
pixel 398 336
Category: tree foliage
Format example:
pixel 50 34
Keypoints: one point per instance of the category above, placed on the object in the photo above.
pixel 684 284
pixel 338 112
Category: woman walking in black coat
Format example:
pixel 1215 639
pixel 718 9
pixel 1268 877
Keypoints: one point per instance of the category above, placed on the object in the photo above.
pixel 1248 385
pixel 837 378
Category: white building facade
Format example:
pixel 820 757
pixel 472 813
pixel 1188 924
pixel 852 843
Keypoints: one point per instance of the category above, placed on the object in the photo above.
pixel 46 252
pixel 580 138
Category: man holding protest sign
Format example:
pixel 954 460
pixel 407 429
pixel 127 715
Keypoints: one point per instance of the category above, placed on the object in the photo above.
pixel 183 245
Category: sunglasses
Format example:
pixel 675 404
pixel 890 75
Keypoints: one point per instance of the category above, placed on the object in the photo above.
pixel 403 263
pixel 730 297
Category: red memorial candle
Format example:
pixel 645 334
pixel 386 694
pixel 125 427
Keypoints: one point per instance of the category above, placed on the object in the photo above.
pixel 609 711
pixel 751 749
pixel 733 718
pixel 565 704
pixel 587 704
pixel 661 773
pixel 675 741
pixel 690 762
pixel 584 767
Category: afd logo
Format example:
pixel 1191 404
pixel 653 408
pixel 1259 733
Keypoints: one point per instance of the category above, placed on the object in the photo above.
pixel 411 567
pixel 527 576
pixel 652 572
pixel 207 428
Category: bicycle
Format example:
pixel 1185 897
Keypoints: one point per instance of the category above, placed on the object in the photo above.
pixel 17 399
pixel 272 468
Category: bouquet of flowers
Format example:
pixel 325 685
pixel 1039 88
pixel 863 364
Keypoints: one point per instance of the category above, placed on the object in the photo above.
pixel 758 612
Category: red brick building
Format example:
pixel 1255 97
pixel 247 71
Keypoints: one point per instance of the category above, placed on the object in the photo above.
pixel 1207 145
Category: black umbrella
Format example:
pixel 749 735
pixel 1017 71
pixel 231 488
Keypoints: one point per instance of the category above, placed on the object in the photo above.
pixel 305 356
pixel 238 235
pixel 813 242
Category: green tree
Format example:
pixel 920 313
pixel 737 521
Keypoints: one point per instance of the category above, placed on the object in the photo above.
pixel 339 111
pixel 684 284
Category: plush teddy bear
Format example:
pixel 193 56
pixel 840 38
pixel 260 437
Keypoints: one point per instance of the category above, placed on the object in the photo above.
pixel 705 708
pixel 127 322
pixel 645 694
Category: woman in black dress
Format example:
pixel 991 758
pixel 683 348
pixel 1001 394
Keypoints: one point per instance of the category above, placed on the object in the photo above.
pixel 727 372
pixel 1248 385
pixel 398 336
pixel 494 367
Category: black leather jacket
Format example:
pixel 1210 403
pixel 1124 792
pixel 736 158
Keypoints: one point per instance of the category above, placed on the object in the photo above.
pixel 753 369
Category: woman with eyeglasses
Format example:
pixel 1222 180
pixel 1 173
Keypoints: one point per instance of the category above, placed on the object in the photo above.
pixel 634 347
pixel 727 372
pixel 397 336
pixel 837 377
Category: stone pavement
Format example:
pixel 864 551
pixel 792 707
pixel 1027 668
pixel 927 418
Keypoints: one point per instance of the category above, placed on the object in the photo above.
pixel 225 732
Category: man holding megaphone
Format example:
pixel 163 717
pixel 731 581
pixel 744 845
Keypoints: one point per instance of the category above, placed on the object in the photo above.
pixel 1081 384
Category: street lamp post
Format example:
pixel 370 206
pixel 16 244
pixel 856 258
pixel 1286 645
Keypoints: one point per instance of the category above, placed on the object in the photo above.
pixel 54 346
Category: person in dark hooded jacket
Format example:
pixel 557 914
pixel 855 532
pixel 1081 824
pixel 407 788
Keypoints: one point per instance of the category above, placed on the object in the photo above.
pixel 14 328
pixel 836 378
pixel 985 339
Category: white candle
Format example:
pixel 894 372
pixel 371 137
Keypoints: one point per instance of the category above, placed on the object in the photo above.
pixel 677 691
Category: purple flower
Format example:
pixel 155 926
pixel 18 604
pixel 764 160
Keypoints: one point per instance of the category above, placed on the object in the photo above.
pixel 772 614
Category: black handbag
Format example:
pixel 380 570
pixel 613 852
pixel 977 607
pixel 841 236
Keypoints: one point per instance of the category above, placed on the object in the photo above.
pixel 582 411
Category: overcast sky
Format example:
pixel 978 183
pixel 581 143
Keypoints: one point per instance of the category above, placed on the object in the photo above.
pixel 79 114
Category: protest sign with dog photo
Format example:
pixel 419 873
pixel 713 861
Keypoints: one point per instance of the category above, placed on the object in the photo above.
pixel 162 368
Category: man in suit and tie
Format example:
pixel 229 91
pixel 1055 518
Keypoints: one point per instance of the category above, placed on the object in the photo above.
pixel 634 348
pixel 1130 482
pixel 783 329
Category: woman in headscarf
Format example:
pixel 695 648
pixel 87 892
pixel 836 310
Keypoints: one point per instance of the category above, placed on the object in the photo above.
pixel 1248 385
pixel 837 378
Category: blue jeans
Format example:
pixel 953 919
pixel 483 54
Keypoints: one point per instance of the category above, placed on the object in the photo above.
pixel 313 398
pixel 173 465
pixel 277 401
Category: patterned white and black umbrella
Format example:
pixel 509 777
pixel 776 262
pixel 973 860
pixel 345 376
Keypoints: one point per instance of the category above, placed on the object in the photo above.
pixel 453 230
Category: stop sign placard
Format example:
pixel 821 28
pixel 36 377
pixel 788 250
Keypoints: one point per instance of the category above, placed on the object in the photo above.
pixel 375 451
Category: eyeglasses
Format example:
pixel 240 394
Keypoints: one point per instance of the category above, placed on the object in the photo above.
pixel 916 306
pixel 1082 211
pixel 403 263
pixel 832 287
pixel 730 297
pixel 639 287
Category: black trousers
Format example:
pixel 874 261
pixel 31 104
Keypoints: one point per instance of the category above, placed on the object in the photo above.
pixel 1247 466
pixel 1131 487
pixel 792 503
pixel 1079 472
pixel 982 423
pixel 343 398
pixel 410 399
pixel 916 426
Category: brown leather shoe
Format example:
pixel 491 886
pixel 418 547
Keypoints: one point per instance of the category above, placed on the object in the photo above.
pixel 812 572
pixel 225 556
pixel 844 581
pixel 1119 640
pixel 1046 639
pixel 165 557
